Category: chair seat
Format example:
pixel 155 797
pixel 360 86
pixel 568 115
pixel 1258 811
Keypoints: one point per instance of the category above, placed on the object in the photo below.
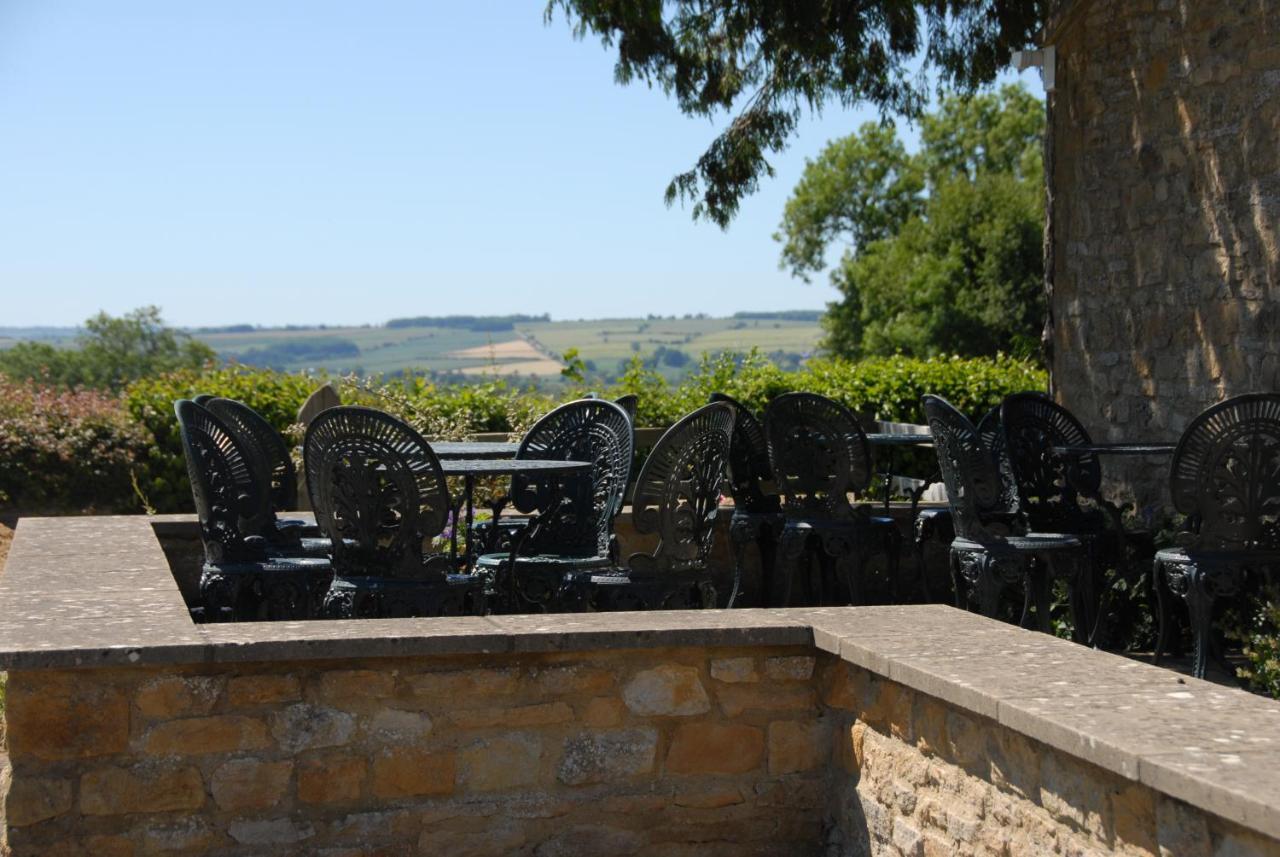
pixel 1029 543
pixel 828 524
pixel 279 564
pixel 568 563
pixel 1242 556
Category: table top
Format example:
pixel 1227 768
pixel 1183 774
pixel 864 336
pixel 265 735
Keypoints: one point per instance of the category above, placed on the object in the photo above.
pixel 1124 448
pixel 881 439
pixel 511 466
pixel 452 449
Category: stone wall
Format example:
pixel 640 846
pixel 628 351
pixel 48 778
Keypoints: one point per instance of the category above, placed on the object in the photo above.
pixel 1164 216
pixel 676 751
pixel 665 751
pixel 915 776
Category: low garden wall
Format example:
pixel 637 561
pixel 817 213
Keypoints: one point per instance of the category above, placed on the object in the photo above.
pixel 914 730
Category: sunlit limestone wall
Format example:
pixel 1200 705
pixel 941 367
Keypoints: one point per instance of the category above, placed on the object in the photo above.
pixel 1164 235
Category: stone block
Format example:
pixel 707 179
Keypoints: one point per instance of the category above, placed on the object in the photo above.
pixel 735 699
pixel 393 726
pixel 542 714
pixel 253 690
pixel 790 668
pixel 342 688
pixel 277 831
pixel 499 763
pixel 307 727
pixel 144 788
pixel 167 697
pixel 56 717
pixel 1133 813
pixel 714 748
pixel 1181 829
pixel 250 783
pixel 734 670
pixel 796 746
pixel 670 690
pixel 463 684
pixel 607 755
pixel 1073 795
pixel 194 736
pixel 604 711
pixel 32 799
pixel 188 836
pixel 331 778
pixel 574 679
pixel 406 773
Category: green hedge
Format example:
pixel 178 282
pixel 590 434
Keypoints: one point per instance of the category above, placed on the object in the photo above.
pixel 67 450
pixel 135 437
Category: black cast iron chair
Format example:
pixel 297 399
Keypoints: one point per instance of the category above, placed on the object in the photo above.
pixel 989 556
pixel 677 498
pixel 1051 488
pixel 380 496
pixel 243 578
pixel 757 508
pixel 935 524
pixel 629 403
pixel 572 529
pixel 820 455
pixel 1226 479
pixel 270 457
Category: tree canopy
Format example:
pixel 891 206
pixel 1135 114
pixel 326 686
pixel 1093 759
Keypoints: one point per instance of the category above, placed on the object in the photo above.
pixel 110 352
pixel 765 62
pixel 943 247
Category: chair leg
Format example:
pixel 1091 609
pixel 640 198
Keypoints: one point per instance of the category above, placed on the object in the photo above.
pixel 849 570
pixel 739 550
pixel 1040 582
pixel 786 567
pixel 893 548
pixel 1200 608
pixel 990 587
pixel 1164 617
pixel 953 563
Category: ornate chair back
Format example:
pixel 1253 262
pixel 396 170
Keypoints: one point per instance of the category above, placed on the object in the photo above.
pixel 819 453
pixel 1033 424
pixel 231 502
pixel 749 467
pixel 594 430
pixel 677 494
pixel 991 433
pixel 377 490
pixel 629 403
pixel 1226 474
pixel 975 489
pixel 269 449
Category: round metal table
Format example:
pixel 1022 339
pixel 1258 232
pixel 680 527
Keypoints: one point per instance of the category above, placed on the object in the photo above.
pixel 893 441
pixel 471 468
pixel 447 450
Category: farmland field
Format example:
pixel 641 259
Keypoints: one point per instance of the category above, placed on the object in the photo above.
pixel 528 350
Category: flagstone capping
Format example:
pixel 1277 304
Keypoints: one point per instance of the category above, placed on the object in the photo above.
pixel 98 592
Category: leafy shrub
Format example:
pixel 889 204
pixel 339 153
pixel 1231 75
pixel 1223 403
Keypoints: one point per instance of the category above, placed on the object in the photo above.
pixel 163 474
pixel 1260 634
pixel 66 450
pixel 145 445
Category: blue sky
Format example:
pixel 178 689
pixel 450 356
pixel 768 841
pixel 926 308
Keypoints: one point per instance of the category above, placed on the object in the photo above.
pixel 307 161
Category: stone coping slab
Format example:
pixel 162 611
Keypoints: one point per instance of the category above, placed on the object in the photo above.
pixel 96 592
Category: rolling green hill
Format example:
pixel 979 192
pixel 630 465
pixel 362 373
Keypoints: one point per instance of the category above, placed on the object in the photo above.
pixel 521 348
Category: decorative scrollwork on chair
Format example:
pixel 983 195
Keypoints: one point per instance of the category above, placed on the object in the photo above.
pixel 676 499
pixel 1225 477
pixel 380 496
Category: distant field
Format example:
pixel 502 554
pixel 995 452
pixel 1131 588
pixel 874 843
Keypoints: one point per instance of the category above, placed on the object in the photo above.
pixel 531 350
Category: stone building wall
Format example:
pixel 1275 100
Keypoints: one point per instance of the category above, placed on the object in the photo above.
pixel 1164 216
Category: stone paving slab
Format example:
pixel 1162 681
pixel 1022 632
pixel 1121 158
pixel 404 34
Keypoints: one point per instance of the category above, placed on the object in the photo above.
pixel 269 641
pixel 555 632
pixel 1243 786
pixel 1115 730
